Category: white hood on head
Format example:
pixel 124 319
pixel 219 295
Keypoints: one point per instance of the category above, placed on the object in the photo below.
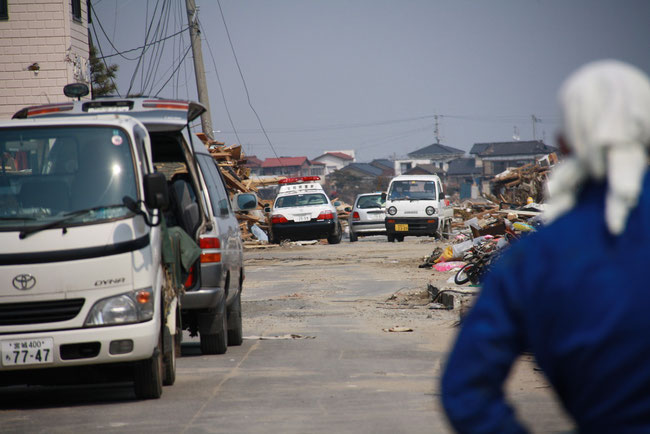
pixel 606 124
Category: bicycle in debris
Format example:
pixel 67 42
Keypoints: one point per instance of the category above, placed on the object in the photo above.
pixel 478 258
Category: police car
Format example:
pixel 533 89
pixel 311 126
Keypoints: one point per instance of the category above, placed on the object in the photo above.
pixel 302 211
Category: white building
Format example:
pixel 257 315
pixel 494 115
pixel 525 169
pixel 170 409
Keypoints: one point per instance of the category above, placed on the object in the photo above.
pixel 335 160
pixel 44 47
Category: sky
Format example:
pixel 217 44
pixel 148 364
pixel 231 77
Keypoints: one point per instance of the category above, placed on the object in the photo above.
pixel 302 77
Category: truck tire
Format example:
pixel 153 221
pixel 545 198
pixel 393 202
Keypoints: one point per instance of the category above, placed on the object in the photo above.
pixel 169 363
pixel 235 331
pixel 148 376
pixel 335 238
pixel 216 343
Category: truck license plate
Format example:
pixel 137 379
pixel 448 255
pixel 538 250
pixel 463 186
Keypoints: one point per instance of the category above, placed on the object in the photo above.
pixel 401 227
pixel 27 352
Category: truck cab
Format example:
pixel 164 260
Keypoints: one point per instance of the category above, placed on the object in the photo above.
pixel 82 281
pixel 416 205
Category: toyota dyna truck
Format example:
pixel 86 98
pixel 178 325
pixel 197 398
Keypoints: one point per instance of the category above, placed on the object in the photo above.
pixel 416 205
pixel 83 292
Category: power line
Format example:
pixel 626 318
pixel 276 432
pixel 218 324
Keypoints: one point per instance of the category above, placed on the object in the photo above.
pixel 225 25
pixel 99 46
pixel 144 46
pixel 223 95
pixel 174 71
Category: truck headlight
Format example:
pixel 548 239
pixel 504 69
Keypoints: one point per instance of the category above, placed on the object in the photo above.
pixel 391 210
pixel 430 210
pixel 131 307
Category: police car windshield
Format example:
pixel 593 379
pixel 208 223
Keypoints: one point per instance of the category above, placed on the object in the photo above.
pixel 307 199
pixel 412 190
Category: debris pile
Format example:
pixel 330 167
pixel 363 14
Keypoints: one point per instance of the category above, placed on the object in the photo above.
pixel 231 162
pixel 516 185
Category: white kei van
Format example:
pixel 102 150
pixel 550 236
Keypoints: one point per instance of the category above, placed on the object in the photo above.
pixel 416 205
pixel 81 275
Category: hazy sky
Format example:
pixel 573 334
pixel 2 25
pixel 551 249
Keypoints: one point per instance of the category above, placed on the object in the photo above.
pixel 369 75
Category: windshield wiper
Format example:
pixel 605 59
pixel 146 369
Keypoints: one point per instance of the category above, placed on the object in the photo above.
pixel 17 218
pixel 69 216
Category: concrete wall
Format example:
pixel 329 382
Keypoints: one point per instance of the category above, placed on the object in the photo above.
pixel 42 32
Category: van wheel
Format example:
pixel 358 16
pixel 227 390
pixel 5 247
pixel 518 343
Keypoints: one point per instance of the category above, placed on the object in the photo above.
pixel 148 376
pixel 391 238
pixel 335 238
pixel 235 332
pixel 216 343
pixel 399 238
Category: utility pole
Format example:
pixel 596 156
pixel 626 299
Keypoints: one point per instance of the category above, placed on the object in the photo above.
pixel 535 120
pixel 199 70
pixel 436 129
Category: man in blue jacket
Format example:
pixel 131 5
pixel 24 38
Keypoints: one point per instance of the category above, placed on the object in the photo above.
pixel 577 292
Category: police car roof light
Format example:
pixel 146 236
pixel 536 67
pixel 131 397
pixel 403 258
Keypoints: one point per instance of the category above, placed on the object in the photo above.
pixel 299 179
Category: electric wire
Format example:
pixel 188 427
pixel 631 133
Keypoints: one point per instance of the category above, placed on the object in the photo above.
pixel 99 47
pixel 174 71
pixel 241 74
pixel 144 50
pixel 223 95
pixel 156 57
pixel 142 46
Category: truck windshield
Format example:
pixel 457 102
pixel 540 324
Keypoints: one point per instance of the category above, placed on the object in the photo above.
pixel 412 190
pixel 51 173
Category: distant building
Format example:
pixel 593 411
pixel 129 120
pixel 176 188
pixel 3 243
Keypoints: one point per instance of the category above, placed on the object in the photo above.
pixel 44 47
pixel 385 165
pixel 434 154
pixel 464 178
pixel 334 160
pixel 291 166
pixel 425 169
pixel 254 164
pixel 494 158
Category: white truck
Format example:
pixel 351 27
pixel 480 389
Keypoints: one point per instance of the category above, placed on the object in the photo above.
pixel 81 276
pixel 416 205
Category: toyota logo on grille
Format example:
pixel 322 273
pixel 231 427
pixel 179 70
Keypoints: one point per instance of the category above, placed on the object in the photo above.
pixel 24 282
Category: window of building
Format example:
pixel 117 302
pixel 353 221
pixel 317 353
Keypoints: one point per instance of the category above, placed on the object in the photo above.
pixel 76 10
pixel 4 10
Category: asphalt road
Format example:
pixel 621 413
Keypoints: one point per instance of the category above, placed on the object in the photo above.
pixel 341 373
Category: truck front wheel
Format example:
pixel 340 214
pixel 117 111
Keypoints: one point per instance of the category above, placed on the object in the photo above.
pixel 148 376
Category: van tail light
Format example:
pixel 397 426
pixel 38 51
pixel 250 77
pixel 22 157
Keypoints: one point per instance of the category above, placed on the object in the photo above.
pixel 211 249
pixel 355 216
pixel 325 215
pixel 278 218
pixel 189 282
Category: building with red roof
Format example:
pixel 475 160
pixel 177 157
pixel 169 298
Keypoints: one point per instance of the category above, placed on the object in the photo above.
pixel 292 166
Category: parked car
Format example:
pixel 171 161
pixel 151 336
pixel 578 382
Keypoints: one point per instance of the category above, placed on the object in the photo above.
pixel 302 211
pixel 211 303
pixel 367 216
pixel 416 205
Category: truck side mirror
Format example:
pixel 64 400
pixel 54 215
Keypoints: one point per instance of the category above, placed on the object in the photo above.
pixel 156 195
pixel 441 195
pixel 244 201
pixel 383 196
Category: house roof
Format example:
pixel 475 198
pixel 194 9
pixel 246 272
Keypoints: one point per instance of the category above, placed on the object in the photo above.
pixel 253 161
pixel 424 168
pixel 365 168
pixel 435 149
pixel 341 155
pixel 530 147
pixel 383 162
pixel 463 166
pixel 284 162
